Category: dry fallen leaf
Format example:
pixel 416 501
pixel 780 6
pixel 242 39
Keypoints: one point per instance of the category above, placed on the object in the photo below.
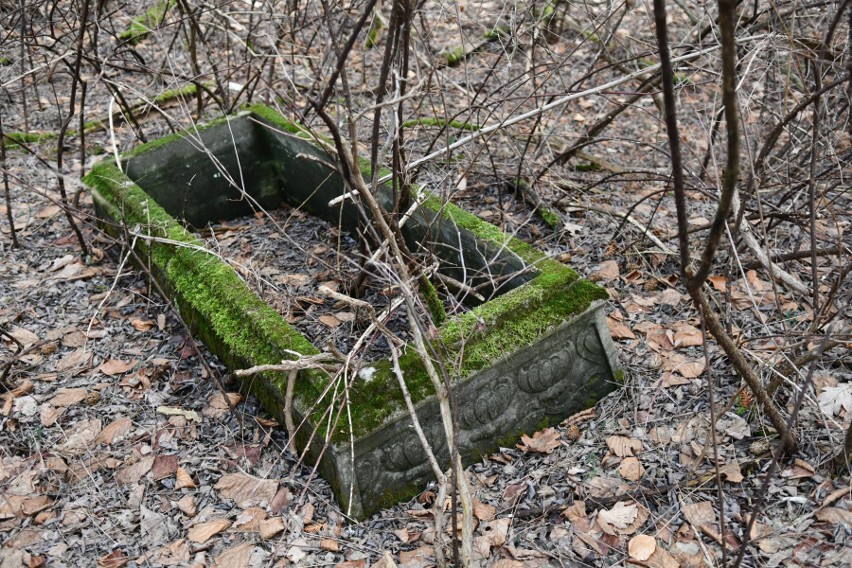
pixel 631 469
pixel 271 527
pixel 187 505
pixel 67 397
pixel 386 561
pixel 219 402
pixel 235 557
pixel 618 330
pixel 329 320
pixel 116 366
pixel 81 436
pixel 115 559
pixel 543 442
pixel 617 519
pixel 731 472
pixel 419 557
pixel 165 465
pixel 641 547
pixel 134 472
pixel 483 511
pixel 622 446
pixel 687 335
pixel 183 479
pixel 203 531
pixel 114 431
pixel 142 325
pixel 606 272
pixel 700 514
pixel 245 490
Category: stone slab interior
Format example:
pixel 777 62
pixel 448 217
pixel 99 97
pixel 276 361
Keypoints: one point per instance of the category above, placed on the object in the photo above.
pixel 239 167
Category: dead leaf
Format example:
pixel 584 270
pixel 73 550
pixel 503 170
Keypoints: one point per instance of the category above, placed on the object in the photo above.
pixel 187 505
pixel 606 272
pixel 142 325
pixel 670 297
pixel 618 330
pixel 134 472
pixel 699 514
pixel 731 471
pixel 296 551
pixel 543 442
pixel 245 490
pixel 833 400
pixel 386 561
pixel 115 559
pixel 418 558
pixel 497 531
pixel 622 446
pixel 77 361
pixel 615 520
pixel 576 511
pixel 235 557
pixel 203 531
pixel 81 436
pixel 188 414
pixel 330 545
pixel 183 479
pixel 250 519
pixel 165 465
pixel 718 282
pixel 114 431
pixel 329 320
pixel 219 402
pixel 482 511
pixel 631 469
pixel 687 335
pixel 67 397
pixel 835 515
pixel 271 527
pixel 669 380
pixel 48 415
pixel 662 558
pixel 116 366
pixel 641 547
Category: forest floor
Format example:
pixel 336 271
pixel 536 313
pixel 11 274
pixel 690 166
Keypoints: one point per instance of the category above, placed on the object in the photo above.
pixel 119 449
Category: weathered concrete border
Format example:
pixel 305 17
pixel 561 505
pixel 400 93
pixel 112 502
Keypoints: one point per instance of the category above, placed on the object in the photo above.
pixel 522 360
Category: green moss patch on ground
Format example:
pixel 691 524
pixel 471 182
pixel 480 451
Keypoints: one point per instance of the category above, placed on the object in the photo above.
pixel 140 27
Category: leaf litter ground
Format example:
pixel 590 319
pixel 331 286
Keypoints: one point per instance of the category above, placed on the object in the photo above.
pixel 118 449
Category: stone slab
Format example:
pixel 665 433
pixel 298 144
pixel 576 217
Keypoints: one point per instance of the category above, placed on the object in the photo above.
pixel 537 351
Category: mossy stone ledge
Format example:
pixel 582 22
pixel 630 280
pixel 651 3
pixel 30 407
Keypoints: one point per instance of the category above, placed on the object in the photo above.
pixel 537 351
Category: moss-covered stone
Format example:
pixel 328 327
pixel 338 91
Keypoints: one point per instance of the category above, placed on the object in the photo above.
pixel 524 339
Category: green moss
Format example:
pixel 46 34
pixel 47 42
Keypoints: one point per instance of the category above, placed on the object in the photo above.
pixel 15 138
pixel 374 34
pixel 4 61
pixel 518 318
pixel 140 27
pixel 208 292
pixel 440 123
pixel 550 217
pixel 433 302
pixel 587 167
pixel 497 33
pixel 454 55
